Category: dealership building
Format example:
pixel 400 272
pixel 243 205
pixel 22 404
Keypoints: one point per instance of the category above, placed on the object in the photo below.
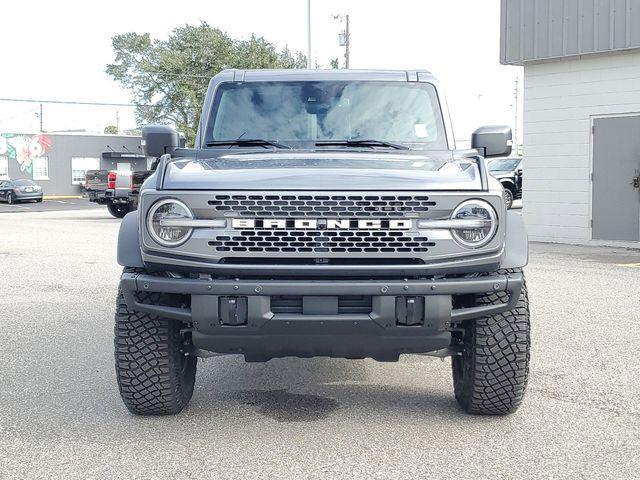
pixel 59 162
pixel 581 62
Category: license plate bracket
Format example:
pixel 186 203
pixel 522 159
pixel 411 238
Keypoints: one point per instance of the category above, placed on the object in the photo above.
pixel 319 305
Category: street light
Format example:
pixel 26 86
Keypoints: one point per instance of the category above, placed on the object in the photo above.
pixel 308 33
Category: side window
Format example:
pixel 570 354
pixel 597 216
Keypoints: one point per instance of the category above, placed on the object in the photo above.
pixel 79 167
pixel 41 168
pixel 4 168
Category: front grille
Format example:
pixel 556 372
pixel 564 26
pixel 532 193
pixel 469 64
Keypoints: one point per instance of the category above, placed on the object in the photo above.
pixel 347 304
pixel 348 241
pixel 251 205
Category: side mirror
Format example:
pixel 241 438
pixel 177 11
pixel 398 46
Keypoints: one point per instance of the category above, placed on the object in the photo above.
pixel 492 141
pixel 159 139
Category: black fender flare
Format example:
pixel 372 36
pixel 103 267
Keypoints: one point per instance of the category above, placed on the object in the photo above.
pixel 508 183
pixel 516 246
pixel 129 242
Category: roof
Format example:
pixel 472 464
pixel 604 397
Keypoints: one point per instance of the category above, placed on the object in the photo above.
pixel 551 29
pixel 334 74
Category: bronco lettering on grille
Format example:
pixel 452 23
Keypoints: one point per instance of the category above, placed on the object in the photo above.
pixel 320 224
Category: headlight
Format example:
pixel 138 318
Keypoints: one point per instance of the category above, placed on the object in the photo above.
pixel 486 220
pixel 159 221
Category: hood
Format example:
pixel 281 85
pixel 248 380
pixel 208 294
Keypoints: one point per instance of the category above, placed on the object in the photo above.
pixel 312 170
pixel 501 173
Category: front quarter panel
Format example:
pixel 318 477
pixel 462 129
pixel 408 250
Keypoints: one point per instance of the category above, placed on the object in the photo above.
pixel 516 249
pixel 129 242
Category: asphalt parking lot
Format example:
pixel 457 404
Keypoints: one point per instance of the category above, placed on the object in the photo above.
pixel 49 205
pixel 61 415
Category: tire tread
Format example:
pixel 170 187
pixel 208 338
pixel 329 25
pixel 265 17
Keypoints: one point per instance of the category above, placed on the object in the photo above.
pixel 149 359
pixel 492 373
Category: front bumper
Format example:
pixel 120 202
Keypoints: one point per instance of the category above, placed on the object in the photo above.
pixel 264 334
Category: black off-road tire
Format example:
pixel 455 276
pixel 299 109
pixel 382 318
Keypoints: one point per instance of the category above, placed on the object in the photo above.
pixel 154 375
pixel 490 377
pixel 509 196
pixel 118 210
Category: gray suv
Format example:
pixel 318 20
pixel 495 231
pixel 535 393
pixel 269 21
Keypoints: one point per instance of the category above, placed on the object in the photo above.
pixel 322 213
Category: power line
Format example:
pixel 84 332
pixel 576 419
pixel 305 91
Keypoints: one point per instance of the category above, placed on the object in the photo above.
pixel 66 102
pixel 167 74
pixel 23 114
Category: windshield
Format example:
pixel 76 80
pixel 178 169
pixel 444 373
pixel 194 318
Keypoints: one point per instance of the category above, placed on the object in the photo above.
pixel 504 164
pixel 23 183
pixel 289 112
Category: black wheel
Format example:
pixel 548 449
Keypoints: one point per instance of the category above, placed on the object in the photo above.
pixel 490 377
pixel 118 210
pixel 10 198
pixel 39 200
pixel 155 377
pixel 508 197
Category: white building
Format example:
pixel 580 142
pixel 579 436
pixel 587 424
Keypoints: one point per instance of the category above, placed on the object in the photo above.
pixel 581 63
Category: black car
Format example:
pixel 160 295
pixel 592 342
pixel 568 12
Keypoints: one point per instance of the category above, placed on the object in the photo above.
pixel 509 172
pixel 12 191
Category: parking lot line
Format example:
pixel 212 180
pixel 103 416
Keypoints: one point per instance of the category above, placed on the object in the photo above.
pixel 57 197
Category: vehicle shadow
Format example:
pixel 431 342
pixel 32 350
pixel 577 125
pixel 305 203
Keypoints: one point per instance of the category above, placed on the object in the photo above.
pixel 98 219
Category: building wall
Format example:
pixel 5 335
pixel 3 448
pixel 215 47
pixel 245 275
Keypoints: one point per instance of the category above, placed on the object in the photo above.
pixel 544 29
pixel 560 99
pixel 22 152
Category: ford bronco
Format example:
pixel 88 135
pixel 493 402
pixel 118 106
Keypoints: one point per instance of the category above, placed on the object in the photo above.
pixel 322 213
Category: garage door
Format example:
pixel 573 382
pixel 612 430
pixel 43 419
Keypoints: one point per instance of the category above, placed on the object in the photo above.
pixel 616 179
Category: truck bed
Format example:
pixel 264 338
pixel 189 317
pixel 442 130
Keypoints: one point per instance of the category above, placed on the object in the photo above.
pixel 97 186
pixel 96 180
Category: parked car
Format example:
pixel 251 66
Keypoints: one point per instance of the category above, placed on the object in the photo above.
pixel 106 187
pixel 13 191
pixel 314 217
pixel 509 172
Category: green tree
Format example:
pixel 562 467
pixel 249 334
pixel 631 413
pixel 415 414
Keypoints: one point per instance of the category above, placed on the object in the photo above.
pixel 168 78
pixel 111 130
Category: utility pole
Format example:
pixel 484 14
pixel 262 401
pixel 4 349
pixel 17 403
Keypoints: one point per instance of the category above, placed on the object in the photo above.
pixel 41 130
pixel 308 33
pixel 516 94
pixel 118 121
pixel 344 38
pixel 347 41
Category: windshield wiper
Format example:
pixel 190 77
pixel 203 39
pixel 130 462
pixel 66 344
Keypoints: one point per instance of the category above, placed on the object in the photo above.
pixel 361 143
pixel 247 142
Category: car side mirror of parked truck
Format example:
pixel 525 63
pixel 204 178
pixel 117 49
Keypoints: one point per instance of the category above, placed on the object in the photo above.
pixel 492 141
